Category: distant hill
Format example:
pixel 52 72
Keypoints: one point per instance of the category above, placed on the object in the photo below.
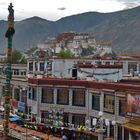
pixel 121 28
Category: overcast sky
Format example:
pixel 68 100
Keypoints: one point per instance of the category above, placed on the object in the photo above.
pixel 56 9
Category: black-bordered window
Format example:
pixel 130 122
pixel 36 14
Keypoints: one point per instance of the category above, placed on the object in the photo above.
pixel 24 96
pixel 78 98
pixel 41 66
pixel 122 107
pixel 96 102
pixel 30 66
pixel 63 96
pixel 132 66
pixel 109 101
pixel 30 93
pixel 47 95
pixel 16 71
pixel 34 94
pixel 107 63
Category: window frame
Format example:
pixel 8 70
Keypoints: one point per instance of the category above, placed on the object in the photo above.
pixel 67 94
pixel 34 94
pixel 121 113
pixel 77 104
pixel 41 66
pixel 108 102
pixel 95 107
pixel 48 92
pixel 31 66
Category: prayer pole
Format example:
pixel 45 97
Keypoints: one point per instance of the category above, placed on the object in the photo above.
pixel 7 92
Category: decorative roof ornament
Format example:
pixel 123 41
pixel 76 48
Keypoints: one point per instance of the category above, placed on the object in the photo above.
pixel 41 54
pixel 10 32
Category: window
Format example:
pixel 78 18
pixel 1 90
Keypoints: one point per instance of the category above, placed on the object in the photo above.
pixel 107 63
pixel 132 67
pixel 41 66
pixel 109 103
pixel 36 66
pixel 30 66
pixel 34 94
pixel 30 109
pixel 17 94
pixel 78 120
pixel 96 102
pixel 23 72
pixel 122 107
pixel 74 73
pixel 98 62
pixel 78 98
pixel 63 96
pixel 23 96
pixel 29 93
pixel 47 95
pixel 16 71
pixel 88 62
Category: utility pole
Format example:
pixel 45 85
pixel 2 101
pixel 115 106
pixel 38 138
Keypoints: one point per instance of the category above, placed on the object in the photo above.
pixel 7 92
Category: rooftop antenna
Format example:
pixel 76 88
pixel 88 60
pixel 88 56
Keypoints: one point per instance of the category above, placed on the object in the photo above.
pixel 7 92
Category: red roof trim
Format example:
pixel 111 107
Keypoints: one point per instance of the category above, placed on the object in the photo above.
pixel 83 83
pixel 98 66
pixel 110 66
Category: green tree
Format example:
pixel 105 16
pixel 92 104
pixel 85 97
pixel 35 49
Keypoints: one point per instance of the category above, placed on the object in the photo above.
pixel 65 54
pixel 17 57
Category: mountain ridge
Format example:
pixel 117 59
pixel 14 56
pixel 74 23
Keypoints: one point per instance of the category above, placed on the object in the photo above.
pixel 122 28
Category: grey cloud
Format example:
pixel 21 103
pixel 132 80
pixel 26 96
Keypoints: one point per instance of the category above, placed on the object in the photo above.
pixel 61 8
pixel 129 3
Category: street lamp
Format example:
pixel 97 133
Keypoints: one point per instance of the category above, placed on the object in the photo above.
pixel 100 122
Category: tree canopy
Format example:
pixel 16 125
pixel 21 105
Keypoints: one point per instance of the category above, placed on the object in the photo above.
pixel 65 54
pixel 17 57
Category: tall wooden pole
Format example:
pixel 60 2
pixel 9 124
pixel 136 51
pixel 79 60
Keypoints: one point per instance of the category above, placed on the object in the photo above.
pixel 7 93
